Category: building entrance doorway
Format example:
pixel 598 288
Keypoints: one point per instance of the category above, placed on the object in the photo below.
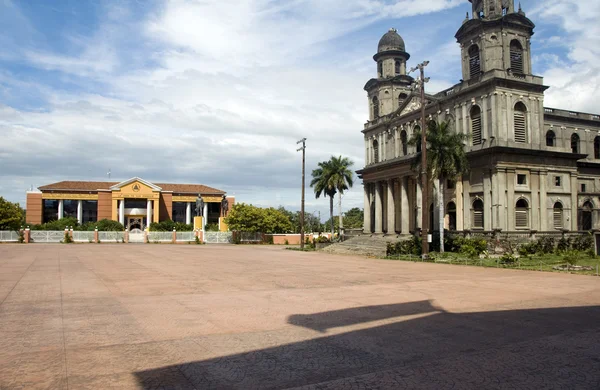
pixel 134 222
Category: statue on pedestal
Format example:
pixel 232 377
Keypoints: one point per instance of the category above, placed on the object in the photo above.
pixel 199 206
pixel 224 206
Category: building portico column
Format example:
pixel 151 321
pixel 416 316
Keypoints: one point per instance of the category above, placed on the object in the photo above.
pixel 391 208
pixel 148 212
pixel 378 209
pixel 188 213
pixel 122 211
pixel 80 211
pixel 205 216
pixel 367 209
pixel 61 209
pixel 405 208
pixel 419 221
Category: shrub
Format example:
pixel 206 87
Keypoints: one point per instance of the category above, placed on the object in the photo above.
pixel 107 225
pixel 268 239
pixel 508 258
pixel 407 247
pixel 572 257
pixel 197 240
pixel 582 243
pixel 321 240
pixel 529 249
pixel 212 227
pixel 563 245
pixel 21 236
pixel 67 239
pixel 286 242
pixel 546 245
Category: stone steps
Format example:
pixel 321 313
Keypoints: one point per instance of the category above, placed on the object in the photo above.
pixel 367 245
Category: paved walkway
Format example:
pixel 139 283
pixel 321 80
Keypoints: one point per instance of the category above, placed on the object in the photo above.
pixel 238 317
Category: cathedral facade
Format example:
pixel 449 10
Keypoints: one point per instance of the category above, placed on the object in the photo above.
pixel 532 168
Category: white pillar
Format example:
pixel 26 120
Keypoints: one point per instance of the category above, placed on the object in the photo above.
pixel 367 210
pixel 122 211
pixel 188 213
pixel 405 208
pixel 391 208
pixel 205 216
pixel 148 212
pixel 61 209
pixel 80 211
pixel 378 209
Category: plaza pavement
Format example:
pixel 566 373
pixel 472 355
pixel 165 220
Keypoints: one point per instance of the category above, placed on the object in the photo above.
pixel 238 317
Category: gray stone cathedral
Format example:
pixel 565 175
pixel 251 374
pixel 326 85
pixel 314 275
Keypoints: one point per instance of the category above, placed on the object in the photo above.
pixel 532 168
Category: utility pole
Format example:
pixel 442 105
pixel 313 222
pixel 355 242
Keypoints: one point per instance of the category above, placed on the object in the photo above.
pixel 424 179
pixel 303 148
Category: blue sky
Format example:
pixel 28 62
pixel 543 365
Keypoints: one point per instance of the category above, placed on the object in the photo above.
pixel 217 92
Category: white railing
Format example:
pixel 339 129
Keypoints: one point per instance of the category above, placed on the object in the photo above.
pixel 83 236
pixel 246 237
pixel 111 236
pixel 185 236
pixel 9 236
pixel 47 235
pixel 218 237
pixel 160 236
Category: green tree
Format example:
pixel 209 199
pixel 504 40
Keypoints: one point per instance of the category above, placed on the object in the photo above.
pixel 446 159
pixel 248 218
pixel 11 215
pixel 331 177
pixel 354 218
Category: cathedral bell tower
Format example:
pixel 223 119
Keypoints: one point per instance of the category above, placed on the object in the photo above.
pixel 496 37
pixel 391 87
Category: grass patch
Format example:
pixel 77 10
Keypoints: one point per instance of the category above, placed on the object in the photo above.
pixel 545 263
pixel 305 249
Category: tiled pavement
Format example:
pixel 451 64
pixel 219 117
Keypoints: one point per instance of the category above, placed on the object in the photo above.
pixel 238 317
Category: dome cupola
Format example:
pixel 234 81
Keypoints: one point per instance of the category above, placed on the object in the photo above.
pixel 391 41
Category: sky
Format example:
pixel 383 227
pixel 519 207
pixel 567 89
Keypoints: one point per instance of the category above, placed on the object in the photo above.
pixel 218 92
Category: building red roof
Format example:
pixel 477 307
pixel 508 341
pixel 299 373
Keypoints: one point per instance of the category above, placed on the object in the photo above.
pixel 105 185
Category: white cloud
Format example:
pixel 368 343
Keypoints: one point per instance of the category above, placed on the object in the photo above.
pixel 575 78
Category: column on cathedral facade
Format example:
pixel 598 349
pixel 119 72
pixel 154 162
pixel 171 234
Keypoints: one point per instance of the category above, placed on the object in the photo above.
pixel 466 188
pixel 367 209
pixel 574 205
pixel 487 201
pixel 405 206
pixel 419 204
pixel 543 201
pixel 378 209
pixel 534 204
pixel 510 199
pixel 391 208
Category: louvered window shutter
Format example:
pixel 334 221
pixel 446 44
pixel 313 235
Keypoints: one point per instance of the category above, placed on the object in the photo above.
pixel 478 219
pixel 476 125
pixel 520 127
pixel 558 219
pixel 521 218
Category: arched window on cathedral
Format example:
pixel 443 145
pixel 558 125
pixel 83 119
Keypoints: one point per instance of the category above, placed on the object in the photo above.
pixel 550 138
pixel 585 216
pixel 477 214
pixel 404 142
pixel 375 107
pixel 451 211
pixel 520 117
pixel 516 57
pixel 417 130
pixel 474 61
pixel 597 147
pixel 476 125
pixel 375 151
pixel 575 143
pixel 379 69
pixel 558 215
pixel 397 67
pixel 401 98
pixel 522 214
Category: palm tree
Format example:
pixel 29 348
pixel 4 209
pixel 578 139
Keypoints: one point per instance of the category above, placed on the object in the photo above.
pixel 446 159
pixel 331 177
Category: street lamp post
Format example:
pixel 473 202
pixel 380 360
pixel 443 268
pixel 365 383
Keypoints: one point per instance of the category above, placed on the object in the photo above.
pixel 424 179
pixel 303 148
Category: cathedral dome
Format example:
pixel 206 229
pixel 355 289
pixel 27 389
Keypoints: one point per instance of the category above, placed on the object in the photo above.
pixel 391 40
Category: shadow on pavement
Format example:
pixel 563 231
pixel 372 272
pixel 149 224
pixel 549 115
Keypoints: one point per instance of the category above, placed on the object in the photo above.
pixel 534 349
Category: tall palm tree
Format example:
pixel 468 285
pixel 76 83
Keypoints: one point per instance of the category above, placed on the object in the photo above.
pixel 331 177
pixel 446 160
